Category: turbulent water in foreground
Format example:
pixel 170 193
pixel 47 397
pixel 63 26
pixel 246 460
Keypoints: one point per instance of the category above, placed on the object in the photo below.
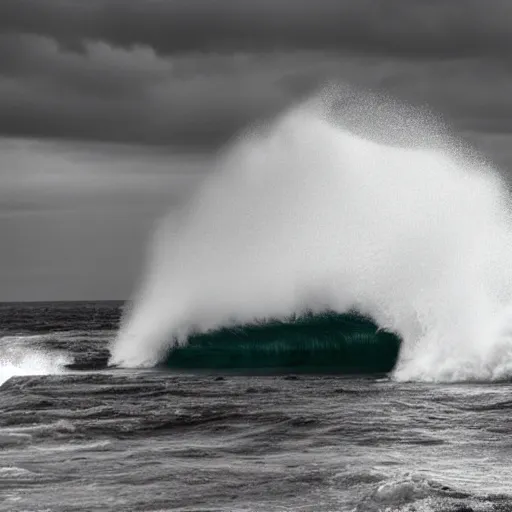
pixel 86 439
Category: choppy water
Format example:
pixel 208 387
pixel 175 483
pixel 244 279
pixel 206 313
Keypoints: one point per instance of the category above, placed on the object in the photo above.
pixel 148 440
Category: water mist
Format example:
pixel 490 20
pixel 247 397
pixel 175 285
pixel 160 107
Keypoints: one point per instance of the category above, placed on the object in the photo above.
pixel 311 215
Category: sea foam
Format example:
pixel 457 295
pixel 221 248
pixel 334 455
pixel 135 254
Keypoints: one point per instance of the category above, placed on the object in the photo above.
pixel 19 356
pixel 314 212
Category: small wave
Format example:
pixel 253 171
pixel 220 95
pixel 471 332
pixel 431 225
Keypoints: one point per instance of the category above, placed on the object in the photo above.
pixel 408 493
pixel 10 439
pixel 415 493
pixel 20 355
pixel 14 471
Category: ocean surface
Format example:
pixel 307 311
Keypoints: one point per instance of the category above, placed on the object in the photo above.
pixel 86 438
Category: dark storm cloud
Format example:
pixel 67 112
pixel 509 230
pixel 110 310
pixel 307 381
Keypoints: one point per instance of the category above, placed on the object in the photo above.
pixel 199 100
pixel 191 73
pixel 134 95
pixel 421 27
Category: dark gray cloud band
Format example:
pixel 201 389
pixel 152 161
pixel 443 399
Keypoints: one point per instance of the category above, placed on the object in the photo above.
pixel 408 27
pixel 191 73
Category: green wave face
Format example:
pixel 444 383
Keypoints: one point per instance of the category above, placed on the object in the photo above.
pixel 325 343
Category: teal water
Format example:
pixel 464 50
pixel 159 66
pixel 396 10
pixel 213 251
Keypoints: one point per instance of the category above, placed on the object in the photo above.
pixel 325 343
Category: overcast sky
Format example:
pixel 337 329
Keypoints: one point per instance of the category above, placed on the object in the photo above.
pixel 111 109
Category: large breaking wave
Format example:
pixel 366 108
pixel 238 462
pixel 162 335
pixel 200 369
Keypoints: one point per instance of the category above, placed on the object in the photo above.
pixel 315 213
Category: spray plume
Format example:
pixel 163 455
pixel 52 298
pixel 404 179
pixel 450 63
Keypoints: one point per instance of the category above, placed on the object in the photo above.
pixel 344 202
